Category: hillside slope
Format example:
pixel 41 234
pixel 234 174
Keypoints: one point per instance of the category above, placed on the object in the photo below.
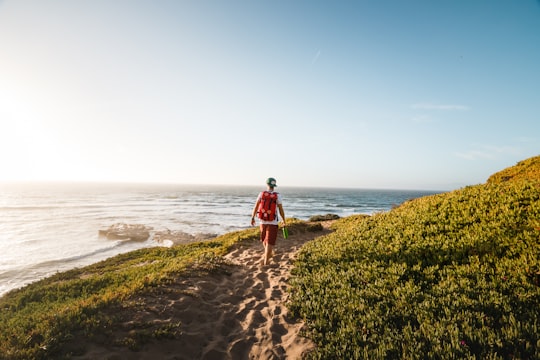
pixel 453 275
pixel 528 169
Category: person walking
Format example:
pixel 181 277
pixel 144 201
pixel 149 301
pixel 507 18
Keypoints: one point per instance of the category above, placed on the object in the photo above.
pixel 266 206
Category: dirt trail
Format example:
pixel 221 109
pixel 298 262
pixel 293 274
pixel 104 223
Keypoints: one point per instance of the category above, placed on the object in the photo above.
pixel 235 314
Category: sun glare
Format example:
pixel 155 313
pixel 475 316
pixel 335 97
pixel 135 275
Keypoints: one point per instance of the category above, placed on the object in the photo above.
pixel 28 149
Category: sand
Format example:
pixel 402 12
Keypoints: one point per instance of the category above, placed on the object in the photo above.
pixel 239 313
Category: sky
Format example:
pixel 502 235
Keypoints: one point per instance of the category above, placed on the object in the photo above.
pixel 416 94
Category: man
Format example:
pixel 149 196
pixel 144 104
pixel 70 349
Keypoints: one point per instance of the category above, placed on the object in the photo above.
pixel 265 209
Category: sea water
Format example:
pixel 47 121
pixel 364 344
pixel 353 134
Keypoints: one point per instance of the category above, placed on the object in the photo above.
pixel 47 228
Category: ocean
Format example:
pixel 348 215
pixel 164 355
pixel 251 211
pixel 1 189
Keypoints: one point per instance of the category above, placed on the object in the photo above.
pixel 53 227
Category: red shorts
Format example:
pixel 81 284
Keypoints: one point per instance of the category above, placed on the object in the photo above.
pixel 269 233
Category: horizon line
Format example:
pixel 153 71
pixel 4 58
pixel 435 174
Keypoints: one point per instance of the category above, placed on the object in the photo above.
pixel 156 183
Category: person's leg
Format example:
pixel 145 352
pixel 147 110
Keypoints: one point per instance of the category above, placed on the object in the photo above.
pixel 270 241
pixel 267 253
pixel 262 229
pixel 264 240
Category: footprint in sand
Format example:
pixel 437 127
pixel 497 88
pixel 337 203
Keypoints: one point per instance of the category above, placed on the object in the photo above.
pixel 236 314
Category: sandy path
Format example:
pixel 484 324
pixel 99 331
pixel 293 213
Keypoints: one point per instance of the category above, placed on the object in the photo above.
pixel 235 314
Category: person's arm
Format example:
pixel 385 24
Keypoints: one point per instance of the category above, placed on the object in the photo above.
pixel 254 212
pixel 282 213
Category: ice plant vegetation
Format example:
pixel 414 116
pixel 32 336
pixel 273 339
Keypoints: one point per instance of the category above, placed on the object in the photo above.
pixel 449 276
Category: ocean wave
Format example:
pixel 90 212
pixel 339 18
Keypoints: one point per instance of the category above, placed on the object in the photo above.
pixel 21 275
pixel 30 207
pixel 74 258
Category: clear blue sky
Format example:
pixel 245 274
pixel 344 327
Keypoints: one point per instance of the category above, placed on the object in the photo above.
pixel 416 94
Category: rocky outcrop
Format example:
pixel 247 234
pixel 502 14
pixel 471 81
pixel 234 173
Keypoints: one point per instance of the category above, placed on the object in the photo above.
pixel 137 232
pixel 324 217
pixel 169 238
pixel 128 232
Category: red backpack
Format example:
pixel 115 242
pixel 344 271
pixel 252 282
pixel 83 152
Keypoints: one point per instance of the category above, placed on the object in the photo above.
pixel 267 206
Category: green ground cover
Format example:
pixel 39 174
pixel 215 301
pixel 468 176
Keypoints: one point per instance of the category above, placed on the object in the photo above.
pixel 37 320
pixel 449 276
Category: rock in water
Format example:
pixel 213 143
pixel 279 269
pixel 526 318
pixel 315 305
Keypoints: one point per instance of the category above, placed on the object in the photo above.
pixel 169 237
pixel 129 232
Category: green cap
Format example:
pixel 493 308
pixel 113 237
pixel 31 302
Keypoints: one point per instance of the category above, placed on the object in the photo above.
pixel 271 182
